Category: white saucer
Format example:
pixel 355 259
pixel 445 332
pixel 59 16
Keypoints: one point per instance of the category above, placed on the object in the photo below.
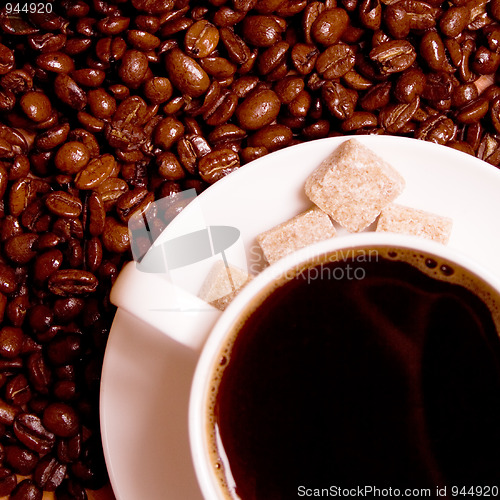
pixel 146 376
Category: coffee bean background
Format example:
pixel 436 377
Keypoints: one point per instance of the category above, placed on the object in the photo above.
pixel 107 106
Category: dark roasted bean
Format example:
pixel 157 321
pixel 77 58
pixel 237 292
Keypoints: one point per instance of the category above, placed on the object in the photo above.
pixel 36 106
pixel 32 433
pixel 335 61
pixel 63 204
pixel 201 39
pixel 393 56
pixel 46 263
pixel 473 111
pixel 215 165
pixel 26 490
pixel 8 280
pixel 236 47
pixel 71 282
pixel 11 341
pixel 261 31
pixel 304 57
pixel 21 248
pixel 258 109
pixel 18 391
pixel 96 172
pixel 339 100
pixel 72 157
pixel 49 473
pixel 8 481
pixel 271 137
pixel 20 459
pixel 186 74
pixel 70 92
pixel 58 62
pixel 329 26
pixel 115 236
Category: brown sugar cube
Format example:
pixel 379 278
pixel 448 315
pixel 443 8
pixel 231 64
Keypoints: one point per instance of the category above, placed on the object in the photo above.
pixel 353 185
pixel 400 219
pixel 223 284
pixel 304 229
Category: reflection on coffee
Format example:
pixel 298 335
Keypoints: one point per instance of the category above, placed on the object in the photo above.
pixel 392 380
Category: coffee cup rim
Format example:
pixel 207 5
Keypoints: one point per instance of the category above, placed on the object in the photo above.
pixel 198 396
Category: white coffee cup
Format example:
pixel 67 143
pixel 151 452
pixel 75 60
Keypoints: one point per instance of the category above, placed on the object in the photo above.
pixel 204 328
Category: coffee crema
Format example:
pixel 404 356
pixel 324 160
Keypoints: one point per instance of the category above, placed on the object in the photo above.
pixel 389 379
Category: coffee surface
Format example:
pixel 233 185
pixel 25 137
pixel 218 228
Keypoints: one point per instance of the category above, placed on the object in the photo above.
pixel 389 380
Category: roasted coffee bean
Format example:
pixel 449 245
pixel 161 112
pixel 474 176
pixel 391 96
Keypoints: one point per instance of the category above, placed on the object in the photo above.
pixel 96 171
pixel 169 167
pixel 335 61
pixel 201 39
pixel 40 318
pixel 271 59
pixel 58 62
pixel 46 263
pixel 395 117
pixel 393 56
pixel 36 106
pixel 49 473
pixel 289 88
pixel 271 137
pixel 377 97
pixel 236 47
pixel 66 310
pixel 409 85
pixel 473 111
pixel 18 391
pixel 21 248
pixel 8 413
pixel 18 81
pixel 20 459
pixel 65 348
pixel 8 481
pixel 258 109
pixel 110 190
pixel 115 236
pixel 133 68
pixel 168 132
pixel 438 129
pixel 218 164
pixel 32 433
pixel 53 137
pixel 304 57
pixel 317 130
pixel 72 157
pixel 134 201
pixel 454 20
pixel 63 204
pixel 261 31
pixel 186 74
pixel 11 341
pixel 329 26
pixel 88 77
pixel 339 100
pixel 69 92
pixel 26 490
pixel 8 280
pixel 72 282
pixel 16 310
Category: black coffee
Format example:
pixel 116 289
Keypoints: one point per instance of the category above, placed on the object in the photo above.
pixel 389 378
